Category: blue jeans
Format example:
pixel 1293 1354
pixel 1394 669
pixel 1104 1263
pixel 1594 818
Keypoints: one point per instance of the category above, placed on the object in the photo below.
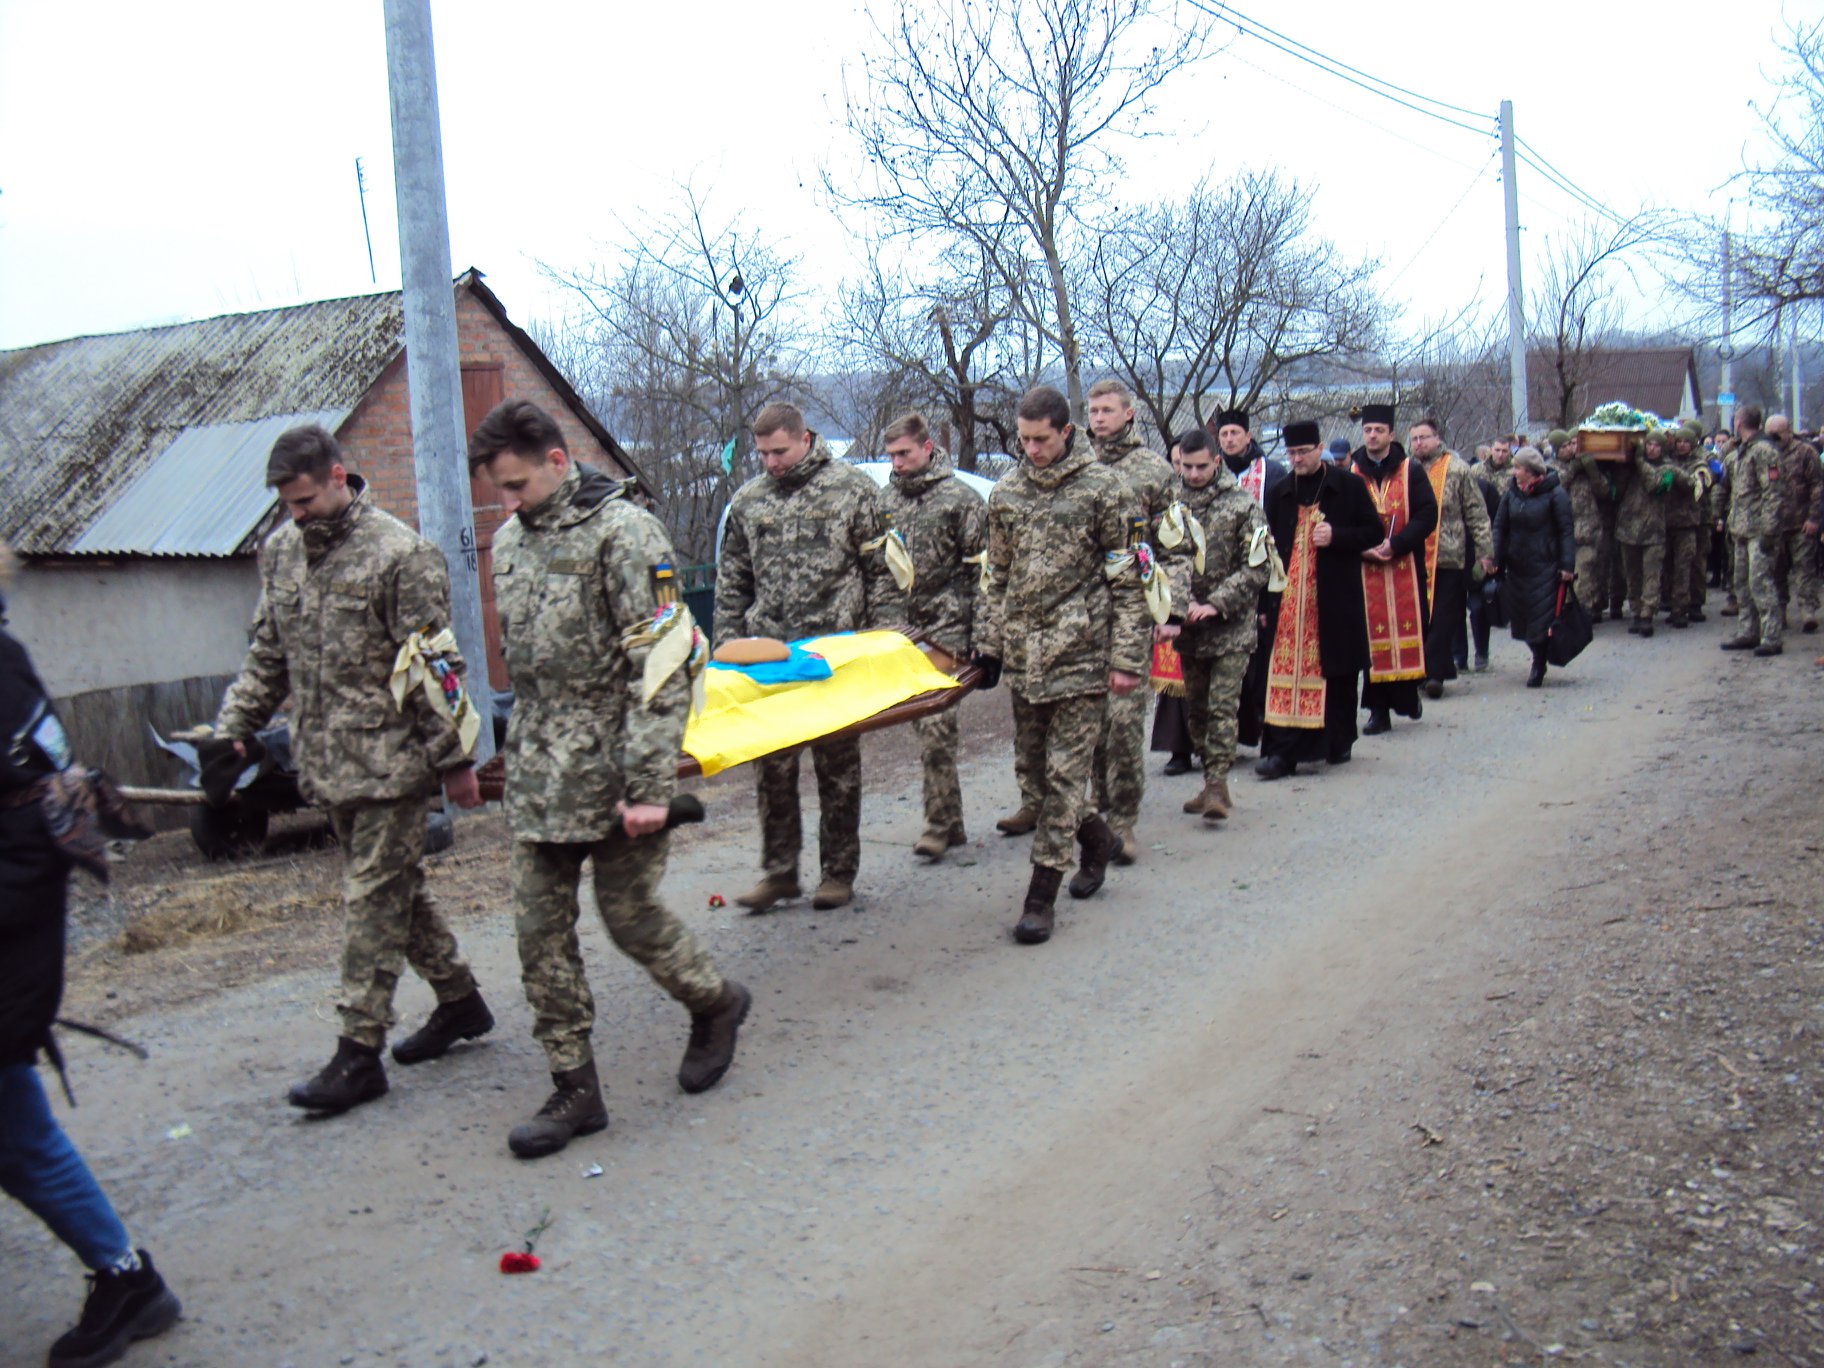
pixel 40 1168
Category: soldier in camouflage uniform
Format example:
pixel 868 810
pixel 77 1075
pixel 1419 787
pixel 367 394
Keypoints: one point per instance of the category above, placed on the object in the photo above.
pixel 1119 775
pixel 342 587
pixel 1640 529
pixel 1685 526
pixel 598 649
pixel 1800 478
pixel 1755 511
pixel 1463 531
pixel 1580 475
pixel 1065 610
pixel 943 522
pixel 1216 610
pixel 804 555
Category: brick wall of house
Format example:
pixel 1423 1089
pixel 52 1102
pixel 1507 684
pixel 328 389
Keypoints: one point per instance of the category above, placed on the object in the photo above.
pixel 377 437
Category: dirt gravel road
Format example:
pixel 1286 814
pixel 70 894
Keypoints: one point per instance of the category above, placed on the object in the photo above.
pixel 1415 1062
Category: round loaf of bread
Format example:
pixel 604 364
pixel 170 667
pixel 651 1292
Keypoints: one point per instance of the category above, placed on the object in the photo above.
pixel 751 651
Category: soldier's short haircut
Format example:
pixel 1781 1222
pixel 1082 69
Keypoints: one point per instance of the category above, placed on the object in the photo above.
pixel 516 425
pixel 302 451
pixel 911 425
pixel 1192 439
pixel 779 417
pixel 1750 414
pixel 1044 405
pixel 1431 423
pixel 1114 387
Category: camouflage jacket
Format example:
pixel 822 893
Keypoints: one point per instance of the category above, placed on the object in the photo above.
pixel 799 556
pixel 1051 614
pixel 1462 516
pixel 338 597
pixel 1800 476
pixel 1684 506
pixel 944 523
pixel 1754 489
pixel 1227 582
pixel 1641 519
pixel 575 577
pixel 1580 476
pixel 1149 478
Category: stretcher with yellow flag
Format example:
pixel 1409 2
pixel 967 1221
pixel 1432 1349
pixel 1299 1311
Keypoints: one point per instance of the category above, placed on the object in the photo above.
pixel 877 679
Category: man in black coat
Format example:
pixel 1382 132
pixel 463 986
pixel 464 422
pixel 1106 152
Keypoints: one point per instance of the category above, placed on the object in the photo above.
pixel 1260 476
pixel 1396 645
pixel 1322 520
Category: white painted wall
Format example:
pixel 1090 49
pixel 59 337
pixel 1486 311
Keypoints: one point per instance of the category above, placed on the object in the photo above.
pixel 147 621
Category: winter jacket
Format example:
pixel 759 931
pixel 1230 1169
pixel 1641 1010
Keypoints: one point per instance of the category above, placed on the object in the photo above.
pixel 34 877
pixel 1534 546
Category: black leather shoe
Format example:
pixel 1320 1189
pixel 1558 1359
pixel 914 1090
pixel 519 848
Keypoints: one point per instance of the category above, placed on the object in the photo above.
pixel 1275 767
pixel 1769 648
pixel 352 1077
pixel 1378 722
pixel 1344 756
pixel 1434 688
pixel 1178 764
pixel 123 1305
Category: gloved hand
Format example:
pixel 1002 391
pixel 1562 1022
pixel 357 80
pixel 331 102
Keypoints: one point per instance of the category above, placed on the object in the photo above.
pixel 222 765
pixel 990 667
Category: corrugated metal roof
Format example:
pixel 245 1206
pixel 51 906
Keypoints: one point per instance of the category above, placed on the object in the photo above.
pixel 82 420
pixel 202 496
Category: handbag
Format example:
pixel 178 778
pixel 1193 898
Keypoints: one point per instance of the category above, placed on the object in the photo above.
pixel 1571 628
pixel 1494 600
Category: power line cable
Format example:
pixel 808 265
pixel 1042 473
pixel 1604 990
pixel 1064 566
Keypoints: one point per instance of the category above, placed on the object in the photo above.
pixel 1352 114
pixel 1545 168
pixel 1330 67
pixel 1442 104
pixel 1449 214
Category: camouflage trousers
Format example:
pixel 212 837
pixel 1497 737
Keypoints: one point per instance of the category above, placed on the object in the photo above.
pixel 838 768
pixel 1056 741
pixel 1119 767
pixel 388 919
pixel 1763 613
pixel 1212 696
pixel 1644 564
pixel 1799 572
pixel 1592 570
pixel 1684 569
pixel 627 875
pixel 937 733
pixel 1613 560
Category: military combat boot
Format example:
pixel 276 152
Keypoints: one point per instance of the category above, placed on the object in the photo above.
pixel 1219 805
pixel 712 1039
pixel 772 889
pixel 464 1019
pixel 1098 846
pixel 935 842
pixel 1127 849
pixel 576 1108
pixel 1040 911
pixel 354 1076
pixel 1019 823
pixel 833 892
pixel 1195 805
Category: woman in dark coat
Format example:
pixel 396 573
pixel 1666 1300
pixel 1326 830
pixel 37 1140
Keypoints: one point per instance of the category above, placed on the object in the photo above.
pixel 39 1167
pixel 1534 552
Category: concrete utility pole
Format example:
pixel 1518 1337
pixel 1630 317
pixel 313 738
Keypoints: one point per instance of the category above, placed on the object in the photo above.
pixel 1798 378
pixel 1516 318
pixel 433 370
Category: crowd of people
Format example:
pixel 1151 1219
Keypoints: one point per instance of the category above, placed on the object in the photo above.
pixel 1271 602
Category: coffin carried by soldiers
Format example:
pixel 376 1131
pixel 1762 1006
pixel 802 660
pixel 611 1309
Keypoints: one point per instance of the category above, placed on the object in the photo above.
pixel 1612 429
pixel 830 686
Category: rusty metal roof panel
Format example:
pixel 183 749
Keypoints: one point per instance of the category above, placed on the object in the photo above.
pixel 202 496
pixel 82 420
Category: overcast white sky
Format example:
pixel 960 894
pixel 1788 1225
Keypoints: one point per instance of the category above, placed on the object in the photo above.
pixel 168 161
